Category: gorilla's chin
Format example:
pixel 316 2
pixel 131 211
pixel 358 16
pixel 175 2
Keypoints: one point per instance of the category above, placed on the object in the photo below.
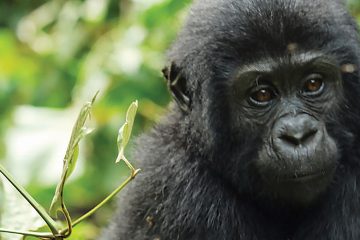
pixel 300 190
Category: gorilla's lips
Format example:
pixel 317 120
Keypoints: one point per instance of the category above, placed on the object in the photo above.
pixel 310 176
pixel 302 188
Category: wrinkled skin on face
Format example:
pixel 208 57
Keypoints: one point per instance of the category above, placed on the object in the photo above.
pixel 289 101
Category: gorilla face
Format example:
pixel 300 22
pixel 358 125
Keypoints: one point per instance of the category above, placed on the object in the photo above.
pixel 288 102
pixel 269 94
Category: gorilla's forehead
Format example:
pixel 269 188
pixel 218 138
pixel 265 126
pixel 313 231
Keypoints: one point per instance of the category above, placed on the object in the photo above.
pixel 291 60
pixel 220 35
pixel 246 26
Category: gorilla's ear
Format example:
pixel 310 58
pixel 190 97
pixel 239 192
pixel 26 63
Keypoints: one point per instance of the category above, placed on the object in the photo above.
pixel 177 85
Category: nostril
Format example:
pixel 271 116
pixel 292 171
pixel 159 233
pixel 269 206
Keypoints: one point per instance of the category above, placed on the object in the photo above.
pixel 290 139
pixel 298 138
pixel 309 135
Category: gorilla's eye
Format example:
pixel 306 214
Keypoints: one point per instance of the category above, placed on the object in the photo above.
pixel 314 84
pixel 262 96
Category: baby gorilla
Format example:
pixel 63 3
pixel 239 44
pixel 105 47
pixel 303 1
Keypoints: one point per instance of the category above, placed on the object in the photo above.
pixel 263 139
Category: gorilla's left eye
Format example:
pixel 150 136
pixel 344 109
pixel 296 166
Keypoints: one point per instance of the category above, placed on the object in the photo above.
pixel 262 96
pixel 314 84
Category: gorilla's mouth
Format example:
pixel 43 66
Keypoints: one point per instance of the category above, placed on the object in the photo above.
pixel 313 175
pixel 302 188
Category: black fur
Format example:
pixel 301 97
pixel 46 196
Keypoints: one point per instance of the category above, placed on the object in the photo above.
pixel 196 180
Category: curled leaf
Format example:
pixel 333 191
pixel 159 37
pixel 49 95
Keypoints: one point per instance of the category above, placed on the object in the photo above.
pixel 71 156
pixel 125 130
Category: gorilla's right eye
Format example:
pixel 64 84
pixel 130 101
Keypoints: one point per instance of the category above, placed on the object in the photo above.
pixel 313 85
pixel 262 96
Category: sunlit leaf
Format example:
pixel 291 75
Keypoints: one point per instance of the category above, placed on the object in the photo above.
pixel 125 130
pixel 79 131
pixel 17 213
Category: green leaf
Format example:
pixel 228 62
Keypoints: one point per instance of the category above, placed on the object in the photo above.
pixel 125 130
pixel 17 213
pixel 71 156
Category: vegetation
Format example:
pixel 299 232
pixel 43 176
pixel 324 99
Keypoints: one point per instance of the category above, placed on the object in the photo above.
pixel 55 55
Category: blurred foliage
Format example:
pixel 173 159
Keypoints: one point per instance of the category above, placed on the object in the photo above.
pixel 54 55
pixel 354 6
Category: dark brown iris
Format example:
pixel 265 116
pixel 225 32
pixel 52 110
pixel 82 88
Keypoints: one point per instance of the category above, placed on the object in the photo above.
pixel 262 95
pixel 313 85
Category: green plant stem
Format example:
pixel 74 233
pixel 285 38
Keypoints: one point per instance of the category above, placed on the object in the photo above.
pixel 38 208
pixel 107 199
pixel 68 221
pixel 131 167
pixel 28 233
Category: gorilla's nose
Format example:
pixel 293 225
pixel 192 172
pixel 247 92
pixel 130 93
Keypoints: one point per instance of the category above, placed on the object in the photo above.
pixel 297 131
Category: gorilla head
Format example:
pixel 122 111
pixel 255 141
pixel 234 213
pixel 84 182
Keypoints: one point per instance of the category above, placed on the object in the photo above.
pixel 263 140
pixel 263 82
